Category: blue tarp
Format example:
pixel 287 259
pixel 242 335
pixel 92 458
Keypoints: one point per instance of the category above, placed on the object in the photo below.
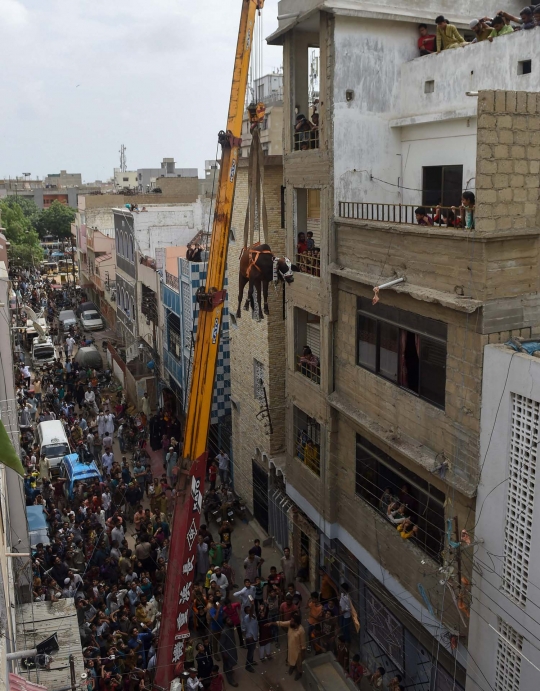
pixel 528 346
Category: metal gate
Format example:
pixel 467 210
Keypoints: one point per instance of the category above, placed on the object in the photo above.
pixel 279 504
pixel 260 494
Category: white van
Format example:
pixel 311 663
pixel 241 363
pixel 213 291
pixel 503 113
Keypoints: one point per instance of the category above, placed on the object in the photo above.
pixel 43 352
pixel 53 443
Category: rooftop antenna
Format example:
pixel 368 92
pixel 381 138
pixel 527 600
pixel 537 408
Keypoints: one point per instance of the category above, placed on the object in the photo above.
pixel 123 165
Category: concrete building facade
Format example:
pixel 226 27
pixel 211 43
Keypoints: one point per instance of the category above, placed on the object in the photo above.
pixel 504 624
pixel 147 177
pixel 394 403
pixel 267 90
pixel 257 376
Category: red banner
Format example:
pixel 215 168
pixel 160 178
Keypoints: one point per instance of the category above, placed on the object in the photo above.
pixel 174 629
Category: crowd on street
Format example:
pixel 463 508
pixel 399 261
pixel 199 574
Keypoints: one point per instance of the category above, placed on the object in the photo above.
pixel 108 546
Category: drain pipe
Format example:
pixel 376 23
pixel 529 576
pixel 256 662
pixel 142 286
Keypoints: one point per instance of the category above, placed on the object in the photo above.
pixel 389 284
pixel 290 15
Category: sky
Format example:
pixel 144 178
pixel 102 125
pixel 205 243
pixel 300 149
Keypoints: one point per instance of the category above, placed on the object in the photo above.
pixel 82 77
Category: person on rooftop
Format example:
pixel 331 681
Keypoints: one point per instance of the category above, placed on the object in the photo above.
pixel 482 29
pixel 447 35
pixel 426 41
pixel 525 19
pixel 500 28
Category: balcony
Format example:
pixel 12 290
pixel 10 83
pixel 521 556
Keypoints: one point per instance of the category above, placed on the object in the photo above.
pixel 309 367
pixel 172 281
pixel 173 366
pixel 309 263
pixel 434 216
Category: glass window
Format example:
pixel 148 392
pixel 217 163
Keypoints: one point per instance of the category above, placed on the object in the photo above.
pixel 405 348
pixel 367 342
pixel 388 351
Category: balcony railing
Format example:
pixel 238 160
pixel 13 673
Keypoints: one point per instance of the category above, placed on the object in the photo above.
pixel 172 281
pixel 304 141
pixel 440 216
pixel 309 262
pixel 310 367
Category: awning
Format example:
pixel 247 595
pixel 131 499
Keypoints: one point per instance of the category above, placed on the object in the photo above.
pixel 8 455
pixel 17 683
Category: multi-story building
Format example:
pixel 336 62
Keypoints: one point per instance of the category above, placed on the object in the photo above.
pixel 63 179
pixel 267 90
pixel 257 367
pixel 392 411
pixel 147 177
pixel 125 179
pixel 180 282
pixel 505 627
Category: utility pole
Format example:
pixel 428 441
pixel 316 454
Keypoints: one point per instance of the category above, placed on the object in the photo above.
pixel 123 164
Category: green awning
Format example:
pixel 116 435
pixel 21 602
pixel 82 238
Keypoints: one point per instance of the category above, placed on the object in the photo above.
pixel 8 455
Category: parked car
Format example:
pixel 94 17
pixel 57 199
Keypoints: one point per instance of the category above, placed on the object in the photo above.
pixel 89 356
pixel 67 318
pixel 91 321
pixel 86 307
pixel 38 528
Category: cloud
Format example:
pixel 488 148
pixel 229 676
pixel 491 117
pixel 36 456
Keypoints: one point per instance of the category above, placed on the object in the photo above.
pixel 154 75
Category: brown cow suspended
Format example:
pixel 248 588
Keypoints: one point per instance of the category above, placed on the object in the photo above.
pixel 259 268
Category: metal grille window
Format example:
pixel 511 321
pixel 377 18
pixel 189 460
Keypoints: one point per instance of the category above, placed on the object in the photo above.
pixel 173 327
pixel 385 629
pixel 508 666
pixel 382 482
pixel 520 497
pixel 307 440
pixel 258 381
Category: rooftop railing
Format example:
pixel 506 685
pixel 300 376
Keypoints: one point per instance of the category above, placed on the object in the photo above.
pixel 309 368
pixel 440 216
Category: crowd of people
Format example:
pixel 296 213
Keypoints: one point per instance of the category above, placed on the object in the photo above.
pixel 109 548
pixel 448 37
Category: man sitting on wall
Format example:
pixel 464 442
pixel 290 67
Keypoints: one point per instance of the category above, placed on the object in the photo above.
pixel 447 35
pixel 426 41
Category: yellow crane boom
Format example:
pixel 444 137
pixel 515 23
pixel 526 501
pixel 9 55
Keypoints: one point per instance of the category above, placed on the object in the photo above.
pixel 187 508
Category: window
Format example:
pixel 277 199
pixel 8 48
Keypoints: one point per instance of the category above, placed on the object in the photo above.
pixel 520 497
pixel 524 66
pixel 131 252
pixel 173 322
pixel 404 348
pixel 508 666
pixel 442 185
pixel 429 86
pixel 307 440
pixel 377 472
pixel 125 179
pixel 258 381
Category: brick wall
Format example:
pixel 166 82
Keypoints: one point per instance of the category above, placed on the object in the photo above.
pixel 508 160
pixel 263 341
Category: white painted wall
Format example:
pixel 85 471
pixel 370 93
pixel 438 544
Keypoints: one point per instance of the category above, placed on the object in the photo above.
pixel 368 59
pixel 473 68
pixel 451 142
pixel 505 372
pixel 174 225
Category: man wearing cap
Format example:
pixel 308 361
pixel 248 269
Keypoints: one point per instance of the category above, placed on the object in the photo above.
pixel 481 28
pixel 221 580
pixel 193 683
